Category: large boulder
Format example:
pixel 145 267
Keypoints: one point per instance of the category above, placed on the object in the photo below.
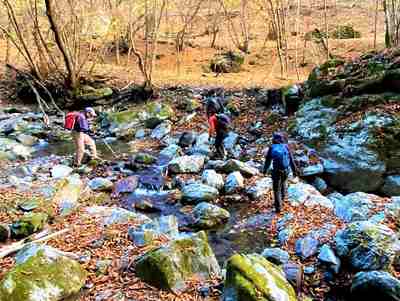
pixel 356 155
pixel 28 224
pixel 375 285
pixel 211 178
pixel 253 278
pixel 261 188
pixel 207 216
pixel 123 120
pixel 305 194
pixel 234 182
pixel 155 113
pixel 162 130
pixel 355 206
pixel 367 246
pixel 13 150
pixel 276 255
pixel 67 194
pixel 171 265
pixel 186 164
pixel 100 184
pixel 42 273
pixel 233 165
pixel 197 193
pixel 391 186
pixel 61 171
pixel 229 62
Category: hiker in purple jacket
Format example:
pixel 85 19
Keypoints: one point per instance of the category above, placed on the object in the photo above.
pixel 282 160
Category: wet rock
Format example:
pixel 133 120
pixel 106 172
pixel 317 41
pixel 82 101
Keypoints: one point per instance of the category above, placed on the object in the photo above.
pixel 61 171
pixel 67 194
pixel 328 257
pixel 375 285
pixel 126 185
pixel 100 184
pixel 123 120
pixel 320 185
pixel 187 139
pixel 209 216
pixel 230 141
pixel 276 256
pixel 13 150
pixel 262 187
pixel 312 170
pixel 355 206
pixel 171 151
pixel 148 232
pixel 161 130
pixel 391 186
pixel 215 164
pixel 196 193
pixel 367 246
pixel 27 140
pixel 307 246
pixel 306 194
pixel 169 266
pixel 233 165
pixel 253 278
pixel 42 273
pixel 28 224
pixel 211 178
pixel 115 215
pixel 156 113
pixel 186 164
pixel 234 183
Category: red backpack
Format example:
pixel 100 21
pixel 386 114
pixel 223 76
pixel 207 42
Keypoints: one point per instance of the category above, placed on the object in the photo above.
pixel 70 119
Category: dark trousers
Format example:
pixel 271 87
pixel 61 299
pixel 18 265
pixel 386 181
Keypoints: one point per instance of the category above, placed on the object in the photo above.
pixel 219 144
pixel 279 184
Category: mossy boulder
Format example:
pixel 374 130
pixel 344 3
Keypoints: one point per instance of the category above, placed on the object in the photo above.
pixel 229 62
pixel 28 224
pixel 90 94
pixel 155 113
pixel 42 273
pixel 367 246
pixel 123 120
pixel 144 158
pixel 170 266
pixel 209 216
pixel 253 278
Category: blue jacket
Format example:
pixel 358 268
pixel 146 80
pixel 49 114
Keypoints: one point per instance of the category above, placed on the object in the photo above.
pixel 269 158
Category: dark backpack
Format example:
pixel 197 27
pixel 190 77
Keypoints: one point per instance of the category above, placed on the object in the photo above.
pixel 280 156
pixel 215 105
pixel 224 122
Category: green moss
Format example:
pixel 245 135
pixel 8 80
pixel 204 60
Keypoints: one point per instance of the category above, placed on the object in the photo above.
pixel 28 224
pixel 345 32
pixel 123 117
pixel 38 276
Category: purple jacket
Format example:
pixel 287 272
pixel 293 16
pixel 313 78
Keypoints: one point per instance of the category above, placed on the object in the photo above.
pixel 81 123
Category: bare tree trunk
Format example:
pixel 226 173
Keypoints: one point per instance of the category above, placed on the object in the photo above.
pixel 72 81
pixel 297 38
pixel 326 29
pixel 376 21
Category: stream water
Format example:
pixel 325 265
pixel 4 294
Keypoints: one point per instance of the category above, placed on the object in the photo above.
pixel 238 235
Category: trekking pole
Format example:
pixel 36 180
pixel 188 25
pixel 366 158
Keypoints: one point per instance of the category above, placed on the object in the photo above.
pixel 109 147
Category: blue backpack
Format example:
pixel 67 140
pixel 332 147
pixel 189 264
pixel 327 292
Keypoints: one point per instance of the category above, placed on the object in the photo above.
pixel 280 156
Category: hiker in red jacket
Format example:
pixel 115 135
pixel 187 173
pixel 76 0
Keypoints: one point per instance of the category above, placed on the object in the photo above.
pixel 218 124
pixel 79 125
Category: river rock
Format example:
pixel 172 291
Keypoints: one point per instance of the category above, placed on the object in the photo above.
pixel 42 273
pixel 27 140
pixel 155 113
pixel 115 215
pixel 301 193
pixel 312 170
pixel 148 232
pixel 100 184
pixel 355 206
pixel 28 224
pixel 161 130
pixel 14 150
pixel 233 165
pixel 186 164
pixel 367 246
pixel 230 141
pixel 120 121
pixel 169 266
pixel 320 185
pixel 307 246
pixel 211 178
pixel 187 139
pixel 209 216
pixel 391 186
pixel 327 256
pixel 375 285
pixel 261 188
pixel 253 278
pixel 126 185
pixel 234 182
pixel 144 158
pixel 276 256
pixel 171 151
pixel 61 171
pixel 67 194
pixel 196 193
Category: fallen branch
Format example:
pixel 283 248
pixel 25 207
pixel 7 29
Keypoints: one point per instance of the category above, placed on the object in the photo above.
pixel 4 252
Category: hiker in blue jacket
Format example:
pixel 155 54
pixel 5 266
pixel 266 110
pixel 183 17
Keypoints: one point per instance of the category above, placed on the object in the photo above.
pixel 282 159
